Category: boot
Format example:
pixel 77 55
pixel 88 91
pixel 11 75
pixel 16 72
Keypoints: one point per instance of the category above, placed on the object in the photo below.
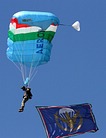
pixel 21 109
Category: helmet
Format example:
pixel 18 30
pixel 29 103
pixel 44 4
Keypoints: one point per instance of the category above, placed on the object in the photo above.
pixel 23 88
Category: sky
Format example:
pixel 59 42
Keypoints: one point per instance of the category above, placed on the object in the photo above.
pixel 75 74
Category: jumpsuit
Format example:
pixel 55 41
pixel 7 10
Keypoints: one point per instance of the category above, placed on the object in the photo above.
pixel 26 97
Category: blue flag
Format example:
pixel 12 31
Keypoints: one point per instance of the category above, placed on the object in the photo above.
pixel 66 121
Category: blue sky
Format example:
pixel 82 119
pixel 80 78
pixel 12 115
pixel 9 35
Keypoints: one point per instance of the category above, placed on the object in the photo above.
pixel 75 74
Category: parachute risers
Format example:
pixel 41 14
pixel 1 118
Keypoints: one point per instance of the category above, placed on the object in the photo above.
pixel 26 82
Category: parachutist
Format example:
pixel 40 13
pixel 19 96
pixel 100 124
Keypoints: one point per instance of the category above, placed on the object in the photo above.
pixel 27 95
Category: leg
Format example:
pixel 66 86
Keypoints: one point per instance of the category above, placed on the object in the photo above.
pixel 25 99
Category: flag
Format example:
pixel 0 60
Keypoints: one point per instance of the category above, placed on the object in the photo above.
pixel 66 121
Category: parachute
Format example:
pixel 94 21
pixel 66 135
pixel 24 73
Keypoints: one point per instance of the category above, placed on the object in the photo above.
pixel 29 41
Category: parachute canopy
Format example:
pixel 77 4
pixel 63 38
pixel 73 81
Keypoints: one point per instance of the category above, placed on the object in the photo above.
pixel 29 38
pixel 66 121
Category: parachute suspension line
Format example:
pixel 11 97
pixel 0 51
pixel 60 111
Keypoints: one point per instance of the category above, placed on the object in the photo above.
pixel 22 72
pixel 25 71
pixel 17 57
pixel 20 59
pixel 22 65
pixel 17 60
pixel 30 69
pixel 16 66
pixel 29 76
pixel 33 71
